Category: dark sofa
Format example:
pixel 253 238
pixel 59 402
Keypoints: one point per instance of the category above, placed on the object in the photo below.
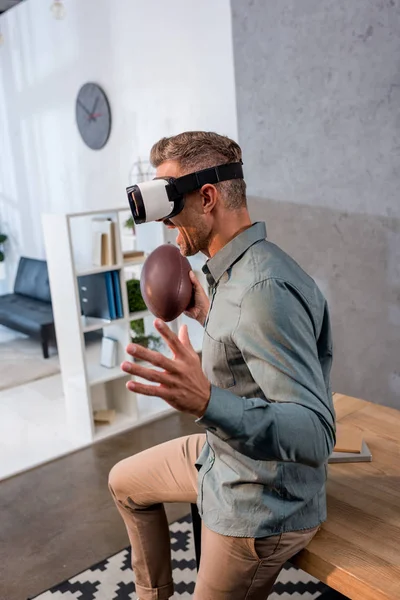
pixel 28 309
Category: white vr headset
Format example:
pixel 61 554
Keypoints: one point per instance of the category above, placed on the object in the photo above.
pixel 163 198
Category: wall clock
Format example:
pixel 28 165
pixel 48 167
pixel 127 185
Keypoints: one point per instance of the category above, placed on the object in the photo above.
pixel 93 115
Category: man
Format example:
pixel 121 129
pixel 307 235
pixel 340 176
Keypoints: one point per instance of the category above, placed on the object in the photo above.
pixel 262 394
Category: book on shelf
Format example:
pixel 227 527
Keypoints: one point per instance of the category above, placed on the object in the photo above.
pixel 100 295
pixel 133 255
pixel 110 294
pixel 98 248
pixel 103 242
pixel 93 296
pixel 104 417
pixel 117 294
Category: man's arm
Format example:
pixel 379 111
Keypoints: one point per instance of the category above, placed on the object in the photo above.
pixel 276 337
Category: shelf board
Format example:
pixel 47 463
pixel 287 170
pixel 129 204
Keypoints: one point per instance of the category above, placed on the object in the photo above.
pixel 140 314
pixel 92 270
pixel 94 323
pixel 123 422
pixel 120 423
pixel 99 374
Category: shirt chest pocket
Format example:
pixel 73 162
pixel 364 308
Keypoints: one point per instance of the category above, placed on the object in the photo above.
pixel 215 363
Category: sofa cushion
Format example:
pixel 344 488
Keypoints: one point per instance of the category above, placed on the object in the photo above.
pixel 25 314
pixel 32 279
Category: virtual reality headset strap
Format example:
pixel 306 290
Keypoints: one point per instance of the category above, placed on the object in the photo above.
pixel 194 181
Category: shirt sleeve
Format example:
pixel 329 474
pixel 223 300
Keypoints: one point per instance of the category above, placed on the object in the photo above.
pixel 277 338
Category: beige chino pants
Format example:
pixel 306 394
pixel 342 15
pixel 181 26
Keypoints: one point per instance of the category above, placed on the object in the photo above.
pixel 231 568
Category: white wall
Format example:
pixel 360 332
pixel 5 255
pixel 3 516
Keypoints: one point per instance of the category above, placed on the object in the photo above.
pixel 165 66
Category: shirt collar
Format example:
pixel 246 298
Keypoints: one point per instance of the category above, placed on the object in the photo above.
pixel 216 266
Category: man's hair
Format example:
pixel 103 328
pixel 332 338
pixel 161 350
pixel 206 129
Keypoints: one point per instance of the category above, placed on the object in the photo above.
pixel 196 150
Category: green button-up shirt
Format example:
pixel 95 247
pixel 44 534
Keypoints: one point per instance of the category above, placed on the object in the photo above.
pixel 270 422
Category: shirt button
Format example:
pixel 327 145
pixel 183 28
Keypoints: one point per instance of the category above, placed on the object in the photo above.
pixel 224 277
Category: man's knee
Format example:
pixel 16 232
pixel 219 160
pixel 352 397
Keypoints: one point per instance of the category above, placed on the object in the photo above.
pixel 120 480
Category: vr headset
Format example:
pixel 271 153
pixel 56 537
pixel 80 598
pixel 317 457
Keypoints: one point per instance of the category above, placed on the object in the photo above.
pixel 163 198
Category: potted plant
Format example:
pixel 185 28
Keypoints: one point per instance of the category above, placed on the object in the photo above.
pixel 130 224
pixel 153 342
pixel 135 299
pixel 3 238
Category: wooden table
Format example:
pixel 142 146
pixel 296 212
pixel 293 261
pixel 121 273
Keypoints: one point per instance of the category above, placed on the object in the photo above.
pixel 357 550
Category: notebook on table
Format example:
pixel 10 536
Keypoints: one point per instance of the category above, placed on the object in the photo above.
pixel 350 446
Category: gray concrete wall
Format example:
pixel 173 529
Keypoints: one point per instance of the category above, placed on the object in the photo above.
pixel 318 99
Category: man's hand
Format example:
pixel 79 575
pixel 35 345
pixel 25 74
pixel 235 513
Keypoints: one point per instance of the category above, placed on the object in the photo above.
pixel 181 383
pixel 200 304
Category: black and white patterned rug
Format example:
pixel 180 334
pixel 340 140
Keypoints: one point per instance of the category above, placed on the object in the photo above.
pixel 112 579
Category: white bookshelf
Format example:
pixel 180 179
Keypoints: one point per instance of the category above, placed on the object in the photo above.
pixel 140 314
pixel 87 385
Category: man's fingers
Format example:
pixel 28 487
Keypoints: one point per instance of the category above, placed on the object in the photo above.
pixel 169 336
pixel 184 337
pixel 155 358
pixel 195 281
pixel 145 373
pixel 159 391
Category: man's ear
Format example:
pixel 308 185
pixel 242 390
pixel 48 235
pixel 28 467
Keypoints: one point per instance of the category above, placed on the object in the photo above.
pixel 209 197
